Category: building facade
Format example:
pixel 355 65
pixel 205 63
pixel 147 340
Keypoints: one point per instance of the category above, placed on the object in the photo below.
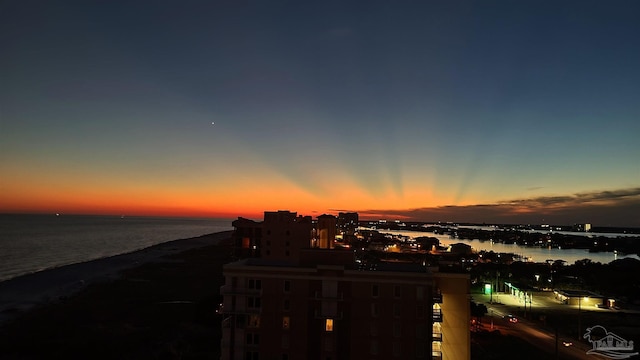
pixel 348 223
pixel 326 231
pixel 318 305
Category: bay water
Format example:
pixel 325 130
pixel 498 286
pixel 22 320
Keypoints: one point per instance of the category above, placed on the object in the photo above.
pixel 528 253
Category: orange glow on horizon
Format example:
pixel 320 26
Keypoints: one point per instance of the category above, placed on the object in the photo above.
pixel 224 197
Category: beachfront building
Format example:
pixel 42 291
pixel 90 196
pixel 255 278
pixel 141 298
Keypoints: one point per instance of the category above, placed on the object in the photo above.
pixel 316 304
pixel 247 237
pixel 348 223
pixel 326 232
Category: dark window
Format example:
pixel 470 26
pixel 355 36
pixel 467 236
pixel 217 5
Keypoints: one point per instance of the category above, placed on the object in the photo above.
pixel 287 286
pixel 420 331
pixel 253 302
pixel 286 304
pixel 396 291
pixel 396 310
pixel 397 330
pixel 286 253
pixel 254 284
pixel 375 291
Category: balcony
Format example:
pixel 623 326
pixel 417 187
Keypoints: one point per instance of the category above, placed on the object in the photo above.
pixel 242 310
pixel 437 315
pixel 320 296
pixel 229 290
pixel 319 315
pixel 227 322
pixel 437 298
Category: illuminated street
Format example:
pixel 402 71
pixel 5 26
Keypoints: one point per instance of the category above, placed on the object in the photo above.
pixel 528 331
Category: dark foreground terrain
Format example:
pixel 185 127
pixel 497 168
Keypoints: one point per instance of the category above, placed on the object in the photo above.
pixel 159 310
pixel 166 309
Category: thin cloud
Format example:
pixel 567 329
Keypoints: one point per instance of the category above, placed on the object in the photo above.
pixel 603 208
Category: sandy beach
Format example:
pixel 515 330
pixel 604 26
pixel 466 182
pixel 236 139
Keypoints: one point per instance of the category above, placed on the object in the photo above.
pixel 68 311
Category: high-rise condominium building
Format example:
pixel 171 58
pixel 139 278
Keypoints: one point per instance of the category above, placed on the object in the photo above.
pixel 348 223
pixel 301 302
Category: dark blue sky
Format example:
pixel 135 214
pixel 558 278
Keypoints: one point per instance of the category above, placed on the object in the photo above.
pixel 361 105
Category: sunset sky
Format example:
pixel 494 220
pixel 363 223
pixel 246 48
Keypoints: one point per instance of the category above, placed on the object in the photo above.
pixel 487 111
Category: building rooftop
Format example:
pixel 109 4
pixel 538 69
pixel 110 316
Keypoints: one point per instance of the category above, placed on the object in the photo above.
pixel 579 293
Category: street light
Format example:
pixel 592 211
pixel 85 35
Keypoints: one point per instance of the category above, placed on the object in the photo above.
pixel 579 316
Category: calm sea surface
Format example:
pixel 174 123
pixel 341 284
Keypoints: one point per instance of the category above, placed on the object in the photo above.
pixel 30 243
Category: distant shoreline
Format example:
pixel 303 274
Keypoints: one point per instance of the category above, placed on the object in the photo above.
pixel 20 294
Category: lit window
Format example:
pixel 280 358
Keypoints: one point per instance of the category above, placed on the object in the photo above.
pixel 285 322
pixel 328 325
pixel 254 321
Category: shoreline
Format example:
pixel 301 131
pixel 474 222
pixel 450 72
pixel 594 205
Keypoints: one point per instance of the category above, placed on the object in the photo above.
pixel 23 293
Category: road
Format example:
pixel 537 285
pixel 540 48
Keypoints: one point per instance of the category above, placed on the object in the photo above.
pixel 534 335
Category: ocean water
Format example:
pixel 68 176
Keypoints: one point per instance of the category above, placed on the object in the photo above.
pixel 31 243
